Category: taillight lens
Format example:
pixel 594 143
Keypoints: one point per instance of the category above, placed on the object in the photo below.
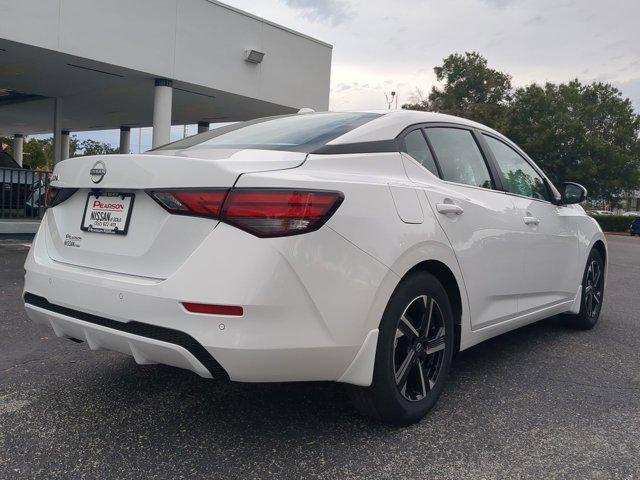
pixel 199 203
pixel 261 212
pixel 55 196
pixel 277 213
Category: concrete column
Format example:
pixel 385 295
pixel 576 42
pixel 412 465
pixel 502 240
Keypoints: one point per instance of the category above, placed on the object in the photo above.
pixel 162 112
pixel 57 130
pixel 64 144
pixel 203 127
pixel 125 140
pixel 18 148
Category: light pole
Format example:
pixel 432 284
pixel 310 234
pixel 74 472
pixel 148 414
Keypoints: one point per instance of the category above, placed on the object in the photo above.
pixel 392 100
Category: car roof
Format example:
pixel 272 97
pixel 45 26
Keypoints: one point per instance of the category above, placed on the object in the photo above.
pixel 391 123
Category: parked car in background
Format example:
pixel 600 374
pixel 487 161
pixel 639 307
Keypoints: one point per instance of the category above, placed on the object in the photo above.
pixel 631 214
pixel 600 212
pixel 364 248
pixel 635 227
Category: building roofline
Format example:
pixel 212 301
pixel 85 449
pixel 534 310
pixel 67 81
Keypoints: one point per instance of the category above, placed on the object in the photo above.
pixel 268 22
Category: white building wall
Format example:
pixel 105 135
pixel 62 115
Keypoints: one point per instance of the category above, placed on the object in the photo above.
pixel 196 41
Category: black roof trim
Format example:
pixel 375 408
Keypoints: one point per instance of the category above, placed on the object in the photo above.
pixel 378 146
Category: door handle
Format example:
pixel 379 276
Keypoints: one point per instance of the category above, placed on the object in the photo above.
pixel 446 208
pixel 531 220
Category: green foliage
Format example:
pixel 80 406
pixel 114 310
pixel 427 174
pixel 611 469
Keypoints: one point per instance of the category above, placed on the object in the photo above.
pixel 575 132
pixel 471 90
pixel 93 147
pixel 47 147
pixel 521 183
pixel 8 141
pixel 34 156
pixel 582 133
pixel 614 223
pixel 38 152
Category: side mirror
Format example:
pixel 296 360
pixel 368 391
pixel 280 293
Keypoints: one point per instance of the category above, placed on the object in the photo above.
pixel 573 193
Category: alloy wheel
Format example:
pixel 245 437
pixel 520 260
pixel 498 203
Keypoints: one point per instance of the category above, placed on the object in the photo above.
pixel 419 348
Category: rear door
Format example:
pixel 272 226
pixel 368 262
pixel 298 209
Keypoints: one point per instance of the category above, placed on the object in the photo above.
pixel 549 240
pixel 479 221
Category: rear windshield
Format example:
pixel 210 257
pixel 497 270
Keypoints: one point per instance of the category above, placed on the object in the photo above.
pixel 297 133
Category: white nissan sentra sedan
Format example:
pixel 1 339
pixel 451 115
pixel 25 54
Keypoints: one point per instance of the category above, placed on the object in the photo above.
pixel 365 248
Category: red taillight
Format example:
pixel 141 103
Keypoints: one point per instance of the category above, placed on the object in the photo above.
pixel 276 213
pixel 201 203
pixel 261 212
pixel 205 308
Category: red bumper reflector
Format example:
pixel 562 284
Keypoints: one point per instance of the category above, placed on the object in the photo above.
pixel 229 310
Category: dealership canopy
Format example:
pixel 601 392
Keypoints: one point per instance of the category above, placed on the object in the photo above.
pixel 77 65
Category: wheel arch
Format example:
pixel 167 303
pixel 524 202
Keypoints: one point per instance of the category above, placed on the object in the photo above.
pixel 435 256
pixel 600 246
pixel 448 280
pixel 360 371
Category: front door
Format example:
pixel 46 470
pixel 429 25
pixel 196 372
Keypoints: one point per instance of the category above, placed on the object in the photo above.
pixel 549 237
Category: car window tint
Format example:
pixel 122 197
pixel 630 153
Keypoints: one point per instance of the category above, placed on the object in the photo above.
pixel 519 176
pixel 296 133
pixel 416 146
pixel 459 157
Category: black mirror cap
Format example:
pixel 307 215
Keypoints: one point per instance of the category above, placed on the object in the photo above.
pixel 573 193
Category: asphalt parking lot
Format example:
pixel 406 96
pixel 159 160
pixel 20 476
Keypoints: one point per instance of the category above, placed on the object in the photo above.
pixel 540 402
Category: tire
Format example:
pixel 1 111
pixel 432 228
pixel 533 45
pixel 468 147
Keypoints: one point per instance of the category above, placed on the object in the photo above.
pixel 592 297
pixel 412 359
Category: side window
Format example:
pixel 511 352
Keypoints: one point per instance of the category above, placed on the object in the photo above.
pixel 459 157
pixel 416 146
pixel 519 176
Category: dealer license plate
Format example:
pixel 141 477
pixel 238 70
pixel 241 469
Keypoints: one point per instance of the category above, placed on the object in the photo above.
pixel 107 212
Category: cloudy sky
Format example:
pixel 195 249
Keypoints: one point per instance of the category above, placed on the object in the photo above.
pixel 379 45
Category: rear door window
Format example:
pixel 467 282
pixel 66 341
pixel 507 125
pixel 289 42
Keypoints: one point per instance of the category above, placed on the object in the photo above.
pixel 416 146
pixel 459 156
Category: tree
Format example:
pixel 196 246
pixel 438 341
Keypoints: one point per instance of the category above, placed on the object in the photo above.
pixel 34 156
pixel 470 89
pixel 47 147
pixel 38 152
pixel 584 133
pixel 8 141
pixel 93 147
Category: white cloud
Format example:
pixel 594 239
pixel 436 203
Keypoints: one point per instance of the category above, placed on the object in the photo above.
pixel 334 12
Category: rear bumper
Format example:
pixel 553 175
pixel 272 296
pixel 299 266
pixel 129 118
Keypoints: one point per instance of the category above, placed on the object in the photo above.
pixel 305 316
pixel 147 344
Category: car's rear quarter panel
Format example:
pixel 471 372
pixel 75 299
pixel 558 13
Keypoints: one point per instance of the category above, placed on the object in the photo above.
pixel 369 220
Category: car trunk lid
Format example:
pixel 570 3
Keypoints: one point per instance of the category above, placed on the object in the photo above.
pixel 156 243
